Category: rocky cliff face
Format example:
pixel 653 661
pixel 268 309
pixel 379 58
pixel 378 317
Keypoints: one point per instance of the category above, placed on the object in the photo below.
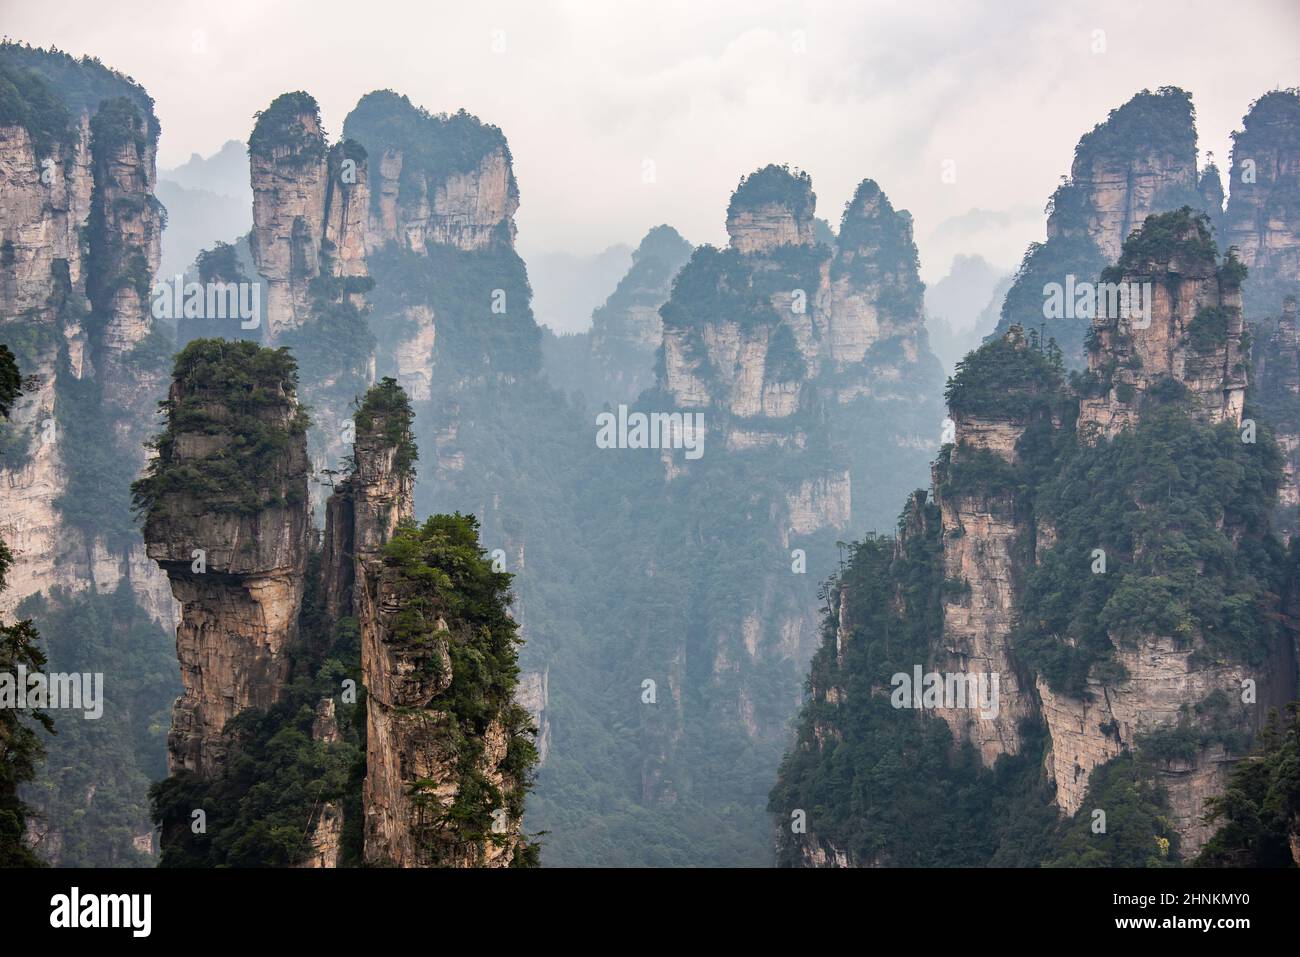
pixel 1141 160
pixel 1020 569
pixel 79 240
pixel 310 204
pixel 984 532
pixel 420 767
pixel 1263 223
pixel 1192 334
pixel 468 209
pixel 453 186
pixel 797 325
pixel 236 554
pixel 1263 215
pixel 626 331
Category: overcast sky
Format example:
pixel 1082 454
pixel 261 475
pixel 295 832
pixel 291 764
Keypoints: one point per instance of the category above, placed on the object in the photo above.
pixel 588 92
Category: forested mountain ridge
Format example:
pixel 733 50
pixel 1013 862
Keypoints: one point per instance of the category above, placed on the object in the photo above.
pixel 1097 550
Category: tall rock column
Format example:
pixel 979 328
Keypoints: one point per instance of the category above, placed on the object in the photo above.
pixel 444 774
pixel 1192 342
pixel 1263 215
pixel 1140 160
pixel 287 156
pixel 1183 320
pixel 80 233
pixel 310 207
pixel 998 393
pixel 227 520
pixel 1263 223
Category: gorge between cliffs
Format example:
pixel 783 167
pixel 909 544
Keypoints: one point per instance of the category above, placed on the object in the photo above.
pixel 380 570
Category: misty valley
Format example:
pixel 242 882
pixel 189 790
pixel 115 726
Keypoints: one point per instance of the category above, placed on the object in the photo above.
pixel 326 545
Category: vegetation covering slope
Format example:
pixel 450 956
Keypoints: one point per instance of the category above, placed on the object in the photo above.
pixel 1182 510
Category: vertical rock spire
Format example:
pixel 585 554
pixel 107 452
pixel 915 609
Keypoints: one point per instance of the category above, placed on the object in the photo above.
pixel 226 519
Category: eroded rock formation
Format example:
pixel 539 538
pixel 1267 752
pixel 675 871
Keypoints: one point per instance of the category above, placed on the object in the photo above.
pixel 1191 330
pixel 1140 160
pixel 80 236
pixel 627 330
pixel 1263 223
pixel 422 769
pixel 1119 676
pixel 234 546
pixel 801 349
pixel 310 208
pixel 1263 214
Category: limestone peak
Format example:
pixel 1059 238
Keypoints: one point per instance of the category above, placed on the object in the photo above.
pixel 772 207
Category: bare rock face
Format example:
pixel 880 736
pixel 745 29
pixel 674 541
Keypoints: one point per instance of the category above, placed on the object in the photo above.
pixel 324 842
pixel 759 223
pixel 414 355
pixel 1191 332
pixel 466 209
pixel 79 241
pixel 874 296
pixel 534 695
pixel 1263 215
pixel 128 220
pixel 310 208
pixel 287 160
pixel 236 557
pixel 40 219
pixel 1141 160
pixel 450 183
pixel 981 535
pixel 1163 679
